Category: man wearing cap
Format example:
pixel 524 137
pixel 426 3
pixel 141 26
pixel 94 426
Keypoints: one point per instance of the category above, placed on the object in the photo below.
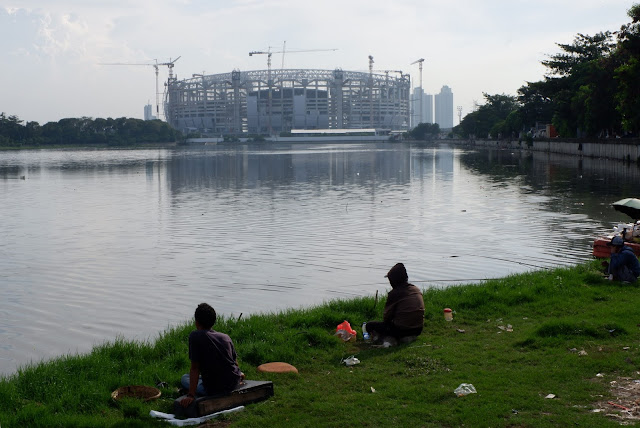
pixel 624 264
pixel 404 311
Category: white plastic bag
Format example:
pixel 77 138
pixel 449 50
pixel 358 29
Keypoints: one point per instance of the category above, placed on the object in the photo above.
pixel 465 389
pixel 351 361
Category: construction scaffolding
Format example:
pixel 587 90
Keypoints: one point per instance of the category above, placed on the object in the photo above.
pixel 250 102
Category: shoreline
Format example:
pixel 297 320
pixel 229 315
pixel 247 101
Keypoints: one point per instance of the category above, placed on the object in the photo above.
pixel 516 339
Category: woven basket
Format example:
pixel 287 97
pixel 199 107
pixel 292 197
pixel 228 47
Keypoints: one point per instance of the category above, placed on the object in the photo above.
pixel 145 393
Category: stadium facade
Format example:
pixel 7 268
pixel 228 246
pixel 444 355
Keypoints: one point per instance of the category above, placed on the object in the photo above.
pixel 276 101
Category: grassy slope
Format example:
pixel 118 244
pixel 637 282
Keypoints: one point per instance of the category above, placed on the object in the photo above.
pixel 551 313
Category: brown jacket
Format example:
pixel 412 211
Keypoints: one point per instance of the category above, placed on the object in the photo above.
pixel 405 306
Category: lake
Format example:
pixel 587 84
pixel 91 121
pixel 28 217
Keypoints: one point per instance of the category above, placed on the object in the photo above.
pixel 98 244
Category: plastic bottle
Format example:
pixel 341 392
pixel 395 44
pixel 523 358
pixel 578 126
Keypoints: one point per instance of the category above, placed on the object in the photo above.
pixel 365 335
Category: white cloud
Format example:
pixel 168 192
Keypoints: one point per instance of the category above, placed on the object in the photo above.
pixel 53 49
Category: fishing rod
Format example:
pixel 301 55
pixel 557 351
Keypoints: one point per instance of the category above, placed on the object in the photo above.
pixel 510 261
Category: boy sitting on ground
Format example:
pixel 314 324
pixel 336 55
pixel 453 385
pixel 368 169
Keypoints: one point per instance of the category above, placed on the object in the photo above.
pixel 214 366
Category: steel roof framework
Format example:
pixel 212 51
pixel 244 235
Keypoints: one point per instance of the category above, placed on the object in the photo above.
pixel 248 102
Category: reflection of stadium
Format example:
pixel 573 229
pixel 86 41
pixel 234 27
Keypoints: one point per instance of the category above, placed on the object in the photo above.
pixel 281 100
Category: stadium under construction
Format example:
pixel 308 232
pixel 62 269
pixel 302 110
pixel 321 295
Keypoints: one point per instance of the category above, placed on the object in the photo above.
pixel 275 101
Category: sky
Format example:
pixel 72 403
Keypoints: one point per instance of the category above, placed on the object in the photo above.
pixel 53 51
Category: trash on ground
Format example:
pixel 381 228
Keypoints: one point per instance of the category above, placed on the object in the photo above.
pixel 345 332
pixel 351 361
pixel 582 353
pixel 465 389
pixel 460 330
pixel 618 406
pixel 551 396
pixel 172 420
pixel 373 389
pixel 599 375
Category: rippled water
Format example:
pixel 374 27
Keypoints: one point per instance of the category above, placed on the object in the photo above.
pixel 100 243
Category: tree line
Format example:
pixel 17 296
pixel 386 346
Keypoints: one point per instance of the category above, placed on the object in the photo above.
pixel 84 131
pixel 591 89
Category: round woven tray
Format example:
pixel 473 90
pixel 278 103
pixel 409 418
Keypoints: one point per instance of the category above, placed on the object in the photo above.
pixel 143 392
pixel 277 367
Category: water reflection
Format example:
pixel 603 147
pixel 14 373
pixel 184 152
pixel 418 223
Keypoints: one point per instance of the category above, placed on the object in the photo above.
pixel 98 243
pixel 249 167
pixel 572 184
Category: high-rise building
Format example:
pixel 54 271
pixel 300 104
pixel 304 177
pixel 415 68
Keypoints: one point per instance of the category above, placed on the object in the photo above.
pixel 444 108
pixel 422 107
pixel 427 114
pixel 148 112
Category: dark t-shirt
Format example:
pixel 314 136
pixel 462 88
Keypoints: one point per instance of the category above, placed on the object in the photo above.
pixel 216 356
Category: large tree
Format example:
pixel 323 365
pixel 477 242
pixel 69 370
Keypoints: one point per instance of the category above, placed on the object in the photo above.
pixel 627 73
pixel 581 80
pixel 490 119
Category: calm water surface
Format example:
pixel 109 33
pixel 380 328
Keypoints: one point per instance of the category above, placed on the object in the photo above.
pixel 101 243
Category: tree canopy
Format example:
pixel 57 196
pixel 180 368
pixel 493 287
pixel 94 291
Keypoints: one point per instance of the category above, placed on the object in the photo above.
pixel 425 131
pixel 591 89
pixel 84 131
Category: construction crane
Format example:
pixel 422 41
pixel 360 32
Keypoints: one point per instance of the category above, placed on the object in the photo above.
pixel 268 53
pixel 420 61
pixel 155 65
pixel 391 71
pixel 284 48
pixel 370 91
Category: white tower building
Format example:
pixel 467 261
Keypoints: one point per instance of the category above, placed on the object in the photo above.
pixel 444 108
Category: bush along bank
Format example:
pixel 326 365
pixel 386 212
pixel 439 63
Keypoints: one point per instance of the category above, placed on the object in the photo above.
pixel 567 334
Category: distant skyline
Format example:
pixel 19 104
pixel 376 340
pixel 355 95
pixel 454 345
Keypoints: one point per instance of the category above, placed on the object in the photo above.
pixel 52 50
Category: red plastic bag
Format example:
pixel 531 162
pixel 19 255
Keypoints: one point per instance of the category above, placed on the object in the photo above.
pixel 345 332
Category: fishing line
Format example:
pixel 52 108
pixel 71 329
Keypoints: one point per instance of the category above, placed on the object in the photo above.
pixel 508 260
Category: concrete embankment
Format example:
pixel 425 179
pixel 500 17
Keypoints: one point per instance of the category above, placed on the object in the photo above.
pixel 627 149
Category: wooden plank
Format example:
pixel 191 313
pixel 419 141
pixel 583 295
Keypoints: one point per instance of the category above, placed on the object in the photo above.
pixel 251 391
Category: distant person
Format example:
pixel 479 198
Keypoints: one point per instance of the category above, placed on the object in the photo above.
pixel 624 265
pixel 214 366
pixel 403 313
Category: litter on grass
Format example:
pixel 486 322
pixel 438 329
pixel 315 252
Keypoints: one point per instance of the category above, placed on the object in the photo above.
pixel 351 361
pixel 465 389
pixel 172 420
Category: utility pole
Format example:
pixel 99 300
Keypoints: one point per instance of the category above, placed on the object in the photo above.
pixel 459 108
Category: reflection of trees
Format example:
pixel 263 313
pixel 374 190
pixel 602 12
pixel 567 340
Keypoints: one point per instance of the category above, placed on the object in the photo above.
pixel 80 162
pixel 580 185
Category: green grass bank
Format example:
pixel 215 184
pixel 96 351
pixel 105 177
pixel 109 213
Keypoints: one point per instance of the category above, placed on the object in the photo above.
pixel 567 332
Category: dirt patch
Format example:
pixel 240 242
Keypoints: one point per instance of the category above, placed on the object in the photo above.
pixel 625 404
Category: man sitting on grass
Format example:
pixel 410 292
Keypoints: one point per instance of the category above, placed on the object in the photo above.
pixel 214 366
pixel 403 313
pixel 624 264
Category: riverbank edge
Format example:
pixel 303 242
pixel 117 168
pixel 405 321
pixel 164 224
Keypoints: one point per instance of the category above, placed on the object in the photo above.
pixel 565 332
pixel 623 149
pixel 142 146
